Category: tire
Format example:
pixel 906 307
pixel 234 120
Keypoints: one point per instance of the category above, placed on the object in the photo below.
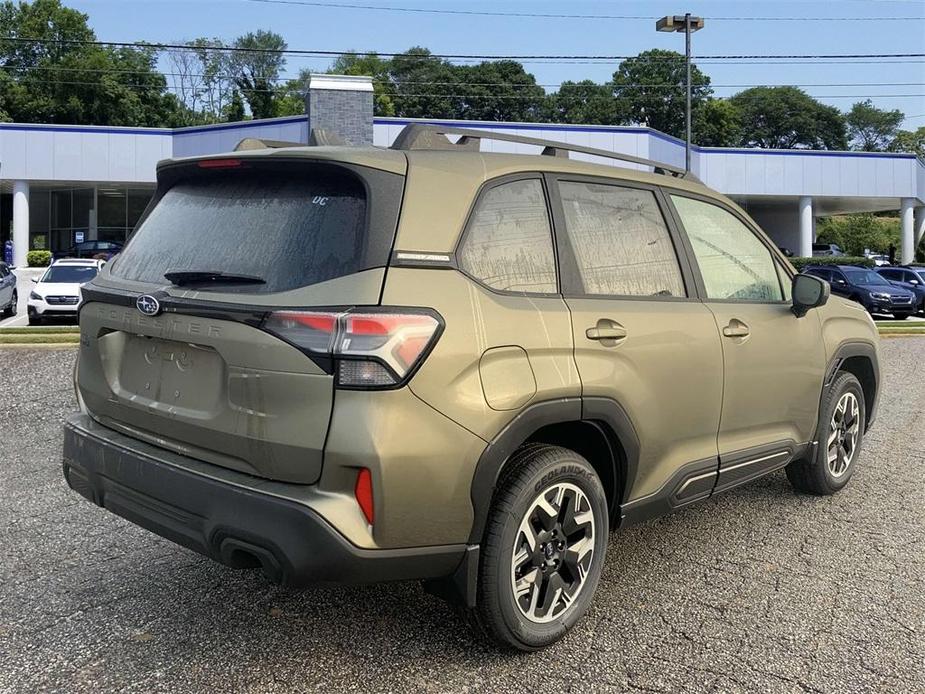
pixel 562 480
pixel 11 309
pixel 901 316
pixel 34 319
pixel 842 419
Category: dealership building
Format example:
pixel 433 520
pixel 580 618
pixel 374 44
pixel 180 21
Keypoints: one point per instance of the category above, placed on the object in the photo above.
pixel 60 184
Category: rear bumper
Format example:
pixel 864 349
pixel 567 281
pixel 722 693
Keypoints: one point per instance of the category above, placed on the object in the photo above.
pixel 236 519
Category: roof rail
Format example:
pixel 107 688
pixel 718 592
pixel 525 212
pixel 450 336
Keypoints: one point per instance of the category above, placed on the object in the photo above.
pixel 424 136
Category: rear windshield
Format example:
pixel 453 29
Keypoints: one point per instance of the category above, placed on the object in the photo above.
pixel 289 228
pixel 69 274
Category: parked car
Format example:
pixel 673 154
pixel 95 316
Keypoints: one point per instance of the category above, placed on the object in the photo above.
pixel 57 292
pixel 866 287
pixel 425 362
pixel 909 279
pixel 8 296
pixel 880 260
pixel 827 249
pixel 101 250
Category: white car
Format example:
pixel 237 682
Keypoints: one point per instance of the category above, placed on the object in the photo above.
pixel 57 292
pixel 880 260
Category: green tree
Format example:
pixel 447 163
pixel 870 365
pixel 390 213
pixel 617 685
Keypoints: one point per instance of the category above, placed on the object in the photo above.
pixel 424 86
pixel 499 90
pixel 717 123
pixel 234 110
pixel 910 141
pixel 62 82
pixel 788 118
pixel 651 88
pixel 583 102
pixel 373 66
pixel 256 67
pixel 872 129
pixel 856 233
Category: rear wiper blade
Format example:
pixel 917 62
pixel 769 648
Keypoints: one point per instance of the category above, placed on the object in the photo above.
pixel 181 277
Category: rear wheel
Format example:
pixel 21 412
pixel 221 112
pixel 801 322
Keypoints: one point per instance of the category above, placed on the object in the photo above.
pixel 842 421
pixel 544 547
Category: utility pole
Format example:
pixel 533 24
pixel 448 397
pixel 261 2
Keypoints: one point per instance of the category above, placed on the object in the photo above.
pixel 688 24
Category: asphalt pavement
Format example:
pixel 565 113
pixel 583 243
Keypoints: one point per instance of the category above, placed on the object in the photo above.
pixel 756 590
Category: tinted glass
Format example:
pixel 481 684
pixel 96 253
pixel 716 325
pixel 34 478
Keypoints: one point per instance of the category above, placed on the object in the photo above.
pixel 69 274
pixel 620 241
pixel 508 244
pixel 291 230
pixel 860 276
pixel 734 263
pixel 819 272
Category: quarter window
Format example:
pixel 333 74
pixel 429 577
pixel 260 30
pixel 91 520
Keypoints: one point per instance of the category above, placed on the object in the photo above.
pixel 620 241
pixel 508 245
pixel 734 263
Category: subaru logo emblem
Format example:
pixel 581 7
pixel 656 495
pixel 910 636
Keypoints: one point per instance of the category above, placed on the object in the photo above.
pixel 148 305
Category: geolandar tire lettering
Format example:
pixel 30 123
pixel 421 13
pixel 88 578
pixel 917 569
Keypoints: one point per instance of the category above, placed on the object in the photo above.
pixel 543 549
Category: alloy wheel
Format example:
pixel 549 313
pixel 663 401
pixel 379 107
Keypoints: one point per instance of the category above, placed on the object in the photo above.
pixel 843 434
pixel 553 552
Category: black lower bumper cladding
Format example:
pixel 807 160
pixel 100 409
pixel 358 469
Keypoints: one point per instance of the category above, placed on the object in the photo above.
pixel 227 520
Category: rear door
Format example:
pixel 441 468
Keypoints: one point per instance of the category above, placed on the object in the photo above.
pixel 643 341
pixel 774 362
pixel 190 366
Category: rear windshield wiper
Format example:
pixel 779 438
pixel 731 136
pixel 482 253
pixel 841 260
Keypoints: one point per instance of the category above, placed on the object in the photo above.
pixel 181 277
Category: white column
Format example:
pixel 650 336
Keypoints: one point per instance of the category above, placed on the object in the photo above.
pixel 905 220
pixel 807 227
pixel 919 224
pixel 20 222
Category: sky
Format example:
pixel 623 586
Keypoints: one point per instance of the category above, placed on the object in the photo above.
pixel 732 28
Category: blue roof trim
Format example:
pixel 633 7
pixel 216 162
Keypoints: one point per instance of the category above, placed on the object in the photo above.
pixel 93 129
pixel 240 125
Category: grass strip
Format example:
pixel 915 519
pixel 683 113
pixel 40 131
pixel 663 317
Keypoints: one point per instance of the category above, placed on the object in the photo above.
pixel 53 339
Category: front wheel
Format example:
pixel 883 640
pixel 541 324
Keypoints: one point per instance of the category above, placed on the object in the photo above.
pixel 842 420
pixel 544 547
pixel 901 316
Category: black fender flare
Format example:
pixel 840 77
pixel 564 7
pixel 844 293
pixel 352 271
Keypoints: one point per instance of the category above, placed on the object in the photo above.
pixel 846 350
pixel 602 412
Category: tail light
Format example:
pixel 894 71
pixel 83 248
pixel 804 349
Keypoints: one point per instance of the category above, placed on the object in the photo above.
pixel 372 349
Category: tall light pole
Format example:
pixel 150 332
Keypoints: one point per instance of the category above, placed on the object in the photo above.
pixel 688 25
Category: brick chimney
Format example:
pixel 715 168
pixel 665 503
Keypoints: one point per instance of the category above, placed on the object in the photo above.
pixel 341 105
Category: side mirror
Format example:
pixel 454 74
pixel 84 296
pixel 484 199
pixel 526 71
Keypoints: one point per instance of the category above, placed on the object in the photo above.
pixel 35 280
pixel 808 292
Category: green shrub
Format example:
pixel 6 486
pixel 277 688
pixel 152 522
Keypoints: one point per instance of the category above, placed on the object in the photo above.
pixel 800 263
pixel 38 258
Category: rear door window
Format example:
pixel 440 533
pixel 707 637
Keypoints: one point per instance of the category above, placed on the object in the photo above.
pixel 291 228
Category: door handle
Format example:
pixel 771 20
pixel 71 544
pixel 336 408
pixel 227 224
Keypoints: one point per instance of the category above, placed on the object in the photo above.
pixel 736 328
pixel 606 330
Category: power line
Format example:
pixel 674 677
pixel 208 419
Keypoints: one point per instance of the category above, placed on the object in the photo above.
pixel 451 95
pixel 520 85
pixel 450 56
pixel 542 15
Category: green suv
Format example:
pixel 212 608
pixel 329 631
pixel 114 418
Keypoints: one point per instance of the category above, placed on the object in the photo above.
pixel 430 362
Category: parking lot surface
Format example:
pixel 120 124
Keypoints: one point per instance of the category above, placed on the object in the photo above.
pixel 755 590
